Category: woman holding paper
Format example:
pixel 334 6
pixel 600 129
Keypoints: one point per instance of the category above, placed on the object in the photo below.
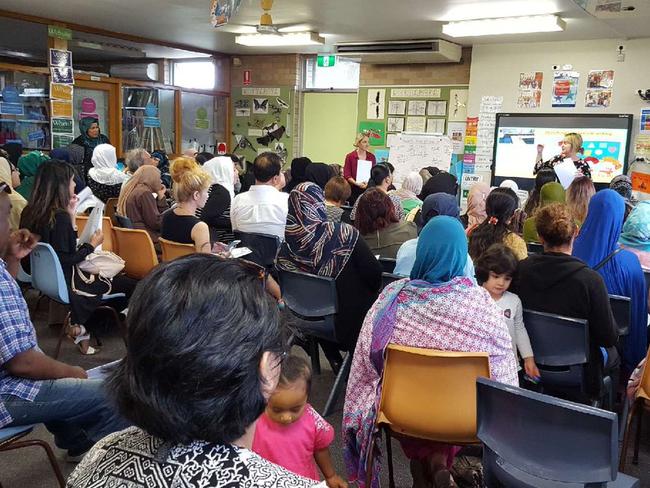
pixel 351 168
pixel 570 146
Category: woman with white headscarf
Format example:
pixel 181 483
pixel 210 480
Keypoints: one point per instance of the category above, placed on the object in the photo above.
pixel 104 179
pixel 216 212
pixel 408 193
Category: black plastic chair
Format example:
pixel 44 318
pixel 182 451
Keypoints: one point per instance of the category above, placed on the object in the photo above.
pixel 561 346
pixel 387 264
pixel 622 311
pixel 264 247
pixel 388 278
pixel 123 221
pixel 535 248
pixel 534 440
pixel 345 216
pixel 313 301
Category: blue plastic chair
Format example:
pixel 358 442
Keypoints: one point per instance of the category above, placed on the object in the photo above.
pixel 10 440
pixel 314 303
pixel 47 277
pixel 535 440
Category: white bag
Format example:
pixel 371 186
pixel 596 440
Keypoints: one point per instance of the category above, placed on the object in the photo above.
pixel 104 263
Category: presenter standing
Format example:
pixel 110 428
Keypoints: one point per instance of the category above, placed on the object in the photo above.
pixel 570 146
pixel 362 144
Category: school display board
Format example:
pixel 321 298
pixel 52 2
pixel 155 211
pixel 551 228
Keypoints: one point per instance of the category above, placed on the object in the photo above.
pixel 412 152
pixel 261 121
pixel 384 112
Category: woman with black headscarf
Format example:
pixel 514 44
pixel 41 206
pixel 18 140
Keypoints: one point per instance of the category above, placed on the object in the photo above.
pixel 298 168
pixel 319 173
pixel 441 182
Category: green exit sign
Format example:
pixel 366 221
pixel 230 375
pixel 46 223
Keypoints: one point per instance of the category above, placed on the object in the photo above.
pixel 59 32
pixel 326 61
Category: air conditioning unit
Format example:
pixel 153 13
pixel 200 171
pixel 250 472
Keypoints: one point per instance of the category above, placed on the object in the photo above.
pixel 402 52
pixel 139 71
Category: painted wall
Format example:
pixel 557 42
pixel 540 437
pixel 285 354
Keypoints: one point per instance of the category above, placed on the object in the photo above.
pixel 329 120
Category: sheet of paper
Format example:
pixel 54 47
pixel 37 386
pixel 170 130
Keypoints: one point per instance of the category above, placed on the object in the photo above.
pixel 391 139
pixel 363 170
pixel 417 107
pixel 416 124
pixel 566 172
pixel 94 224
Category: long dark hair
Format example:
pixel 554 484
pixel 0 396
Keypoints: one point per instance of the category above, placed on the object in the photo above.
pixel 500 206
pixel 51 193
pixel 544 176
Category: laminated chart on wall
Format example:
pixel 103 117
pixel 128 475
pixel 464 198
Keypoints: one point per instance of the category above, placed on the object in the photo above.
pixel 412 152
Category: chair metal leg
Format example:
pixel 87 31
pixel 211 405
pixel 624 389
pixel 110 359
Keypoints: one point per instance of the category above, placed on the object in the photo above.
pixel 314 354
pixel 626 436
pixel 64 327
pixel 48 450
pixel 637 439
pixel 371 459
pixel 339 384
pixel 389 455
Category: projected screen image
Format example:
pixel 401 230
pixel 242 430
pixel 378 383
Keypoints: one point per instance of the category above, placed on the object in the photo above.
pixel 605 147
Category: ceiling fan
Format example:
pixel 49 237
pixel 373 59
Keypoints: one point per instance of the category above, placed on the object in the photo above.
pixel 265 25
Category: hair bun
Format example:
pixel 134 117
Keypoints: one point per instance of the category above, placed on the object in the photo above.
pixel 181 166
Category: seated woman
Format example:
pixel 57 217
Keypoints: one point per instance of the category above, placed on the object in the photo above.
pixel 578 196
pixel 597 245
pixel 475 213
pixel 636 234
pixel 543 176
pixel 193 393
pixel 319 173
pixel 550 193
pixel 137 201
pixel 434 205
pixel 415 313
pixel 190 187
pixel 28 166
pixel 297 173
pixel 379 226
pixel 337 192
pixel 50 213
pixel 104 179
pixel 622 184
pixel 555 282
pixel 440 182
pixel 381 179
pixel 315 245
pixel 500 208
pixel 216 212
pixel 408 193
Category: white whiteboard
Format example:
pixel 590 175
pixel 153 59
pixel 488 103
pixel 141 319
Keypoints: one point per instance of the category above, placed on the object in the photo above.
pixel 412 152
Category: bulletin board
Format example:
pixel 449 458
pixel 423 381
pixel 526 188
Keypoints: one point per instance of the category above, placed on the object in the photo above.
pixel 389 110
pixel 261 121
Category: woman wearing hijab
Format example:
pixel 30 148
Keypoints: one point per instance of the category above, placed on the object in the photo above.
pixel 63 154
pixel 441 182
pixel 216 212
pixel 138 203
pixel 104 179
pixel 14 150
pixel 434 205
pixel 90 138
pixel 408 193
pixel 475 214
pixel 314 245
pixel 544 176
pixel 18 202
pixel 319 173
pixel 298 168
pixel 622 184
pixel 28 165
pixel 636 234
pixel 414 312
pixel 597 245
pixel 550 193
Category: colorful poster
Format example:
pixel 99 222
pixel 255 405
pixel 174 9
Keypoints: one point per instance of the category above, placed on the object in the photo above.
pixel 221 11
pixel 11 108
pixel 376 103
pixel 61 140
pixel 644 121
pixel 382 155
pixel 61 92
pixel 456 132
pixel 62 126
pixel 61 109
pixel 60 58
pixel 565 88
pixel 642 146
pixel 598 98
pixel 376 132
pixel 599 88
pixel 62 75
pixel 530 89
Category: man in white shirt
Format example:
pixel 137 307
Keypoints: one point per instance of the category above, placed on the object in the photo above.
pixel 263 208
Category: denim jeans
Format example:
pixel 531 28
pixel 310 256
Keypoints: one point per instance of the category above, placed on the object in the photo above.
pixel 77 412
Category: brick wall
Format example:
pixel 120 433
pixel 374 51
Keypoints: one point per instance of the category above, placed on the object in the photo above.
pixel 418 74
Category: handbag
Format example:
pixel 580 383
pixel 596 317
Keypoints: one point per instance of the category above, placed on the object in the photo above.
pixel 103 263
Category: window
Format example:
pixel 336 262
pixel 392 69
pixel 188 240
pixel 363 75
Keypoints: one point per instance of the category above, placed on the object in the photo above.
pixel 344 75
pixel 194 74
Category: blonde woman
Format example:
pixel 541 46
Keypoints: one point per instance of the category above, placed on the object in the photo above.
pixel 361 152
pixel 570 146
pixel 577 197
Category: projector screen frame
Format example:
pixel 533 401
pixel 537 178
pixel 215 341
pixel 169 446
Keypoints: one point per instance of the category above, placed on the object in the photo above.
pixel 528 183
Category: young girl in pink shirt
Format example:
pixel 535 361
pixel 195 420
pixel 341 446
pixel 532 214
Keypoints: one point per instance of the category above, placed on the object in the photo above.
pixel 291 433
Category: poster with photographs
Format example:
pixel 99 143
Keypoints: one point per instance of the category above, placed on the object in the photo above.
pixel 530 89
pixel 417 107
pixel 600 84
pixel 397 107
pixel 395 124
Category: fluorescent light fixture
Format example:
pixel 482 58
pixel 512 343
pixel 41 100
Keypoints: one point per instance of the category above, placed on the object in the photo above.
pixel 288 39
pixel 494 9
pixel 504 25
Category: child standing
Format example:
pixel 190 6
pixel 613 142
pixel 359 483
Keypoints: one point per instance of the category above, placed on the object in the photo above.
pixel 494 271
pixel 291 433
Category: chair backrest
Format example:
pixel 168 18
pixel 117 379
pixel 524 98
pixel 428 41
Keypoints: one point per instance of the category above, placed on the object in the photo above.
pixel 644 385
pixel 107 230
pixel 622 311
pixel 535 248
pixel 646 275
pixel 544 436
pixel 47 274
pixel 111 208
pixel 22 276
pixel 432 394
pixel 561 346
pixel 136 248
pixel 264 247
pixel 308 295
pixel 387 264
pixel 345 216
pixel 172 250
pixel 123 222
pixel 80 221
pixel 388 278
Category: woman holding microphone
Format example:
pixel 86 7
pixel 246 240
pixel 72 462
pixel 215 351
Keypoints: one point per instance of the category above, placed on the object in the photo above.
pixel 362 143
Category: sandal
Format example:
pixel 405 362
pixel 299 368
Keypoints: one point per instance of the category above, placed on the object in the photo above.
pixel 82 336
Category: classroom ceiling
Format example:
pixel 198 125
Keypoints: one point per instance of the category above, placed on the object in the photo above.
pixel 338 21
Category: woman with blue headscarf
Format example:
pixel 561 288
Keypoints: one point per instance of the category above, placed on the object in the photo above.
pixel 597 245
pixel 437 308
pixel 90 138
pixel 434 205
